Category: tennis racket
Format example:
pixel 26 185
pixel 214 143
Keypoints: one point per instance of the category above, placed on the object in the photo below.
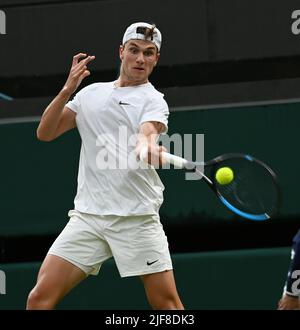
pixel 252 194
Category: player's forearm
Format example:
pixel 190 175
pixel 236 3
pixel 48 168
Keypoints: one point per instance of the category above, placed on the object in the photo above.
pixel 51 116
pixel 147 137
pixel 146 141
pixel 147 146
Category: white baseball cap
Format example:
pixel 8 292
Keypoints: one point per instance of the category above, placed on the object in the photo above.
pixel 137 31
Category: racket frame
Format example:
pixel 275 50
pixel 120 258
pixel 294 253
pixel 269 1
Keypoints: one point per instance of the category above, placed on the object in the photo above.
pixel 185 164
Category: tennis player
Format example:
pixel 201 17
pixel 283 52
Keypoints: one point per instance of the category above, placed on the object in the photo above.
pixel 116 208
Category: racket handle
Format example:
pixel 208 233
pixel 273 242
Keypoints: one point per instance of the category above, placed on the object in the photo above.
pixel 169 158
pixel 174 160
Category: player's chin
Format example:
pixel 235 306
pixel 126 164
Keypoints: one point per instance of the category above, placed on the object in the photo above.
pixel 139 78
pixel 139 73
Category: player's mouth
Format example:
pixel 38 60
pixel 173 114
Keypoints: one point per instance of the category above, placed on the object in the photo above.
pixel 139 69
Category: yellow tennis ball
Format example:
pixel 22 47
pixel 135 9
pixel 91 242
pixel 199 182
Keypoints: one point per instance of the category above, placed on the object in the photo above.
pixel 224 175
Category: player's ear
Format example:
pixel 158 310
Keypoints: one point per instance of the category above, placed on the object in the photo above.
pixel 157 58
pixel 121 52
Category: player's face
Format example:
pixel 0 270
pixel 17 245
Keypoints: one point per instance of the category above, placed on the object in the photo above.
pixel 138 58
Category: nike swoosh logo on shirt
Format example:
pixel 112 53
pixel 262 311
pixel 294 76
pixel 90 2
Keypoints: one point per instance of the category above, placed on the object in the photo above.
pixel 123 103
pixel 150 263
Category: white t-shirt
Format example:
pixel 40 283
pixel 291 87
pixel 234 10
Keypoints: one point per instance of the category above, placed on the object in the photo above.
pixel 108 119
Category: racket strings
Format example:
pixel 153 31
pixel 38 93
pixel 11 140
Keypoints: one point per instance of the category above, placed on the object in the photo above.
pixel 252 190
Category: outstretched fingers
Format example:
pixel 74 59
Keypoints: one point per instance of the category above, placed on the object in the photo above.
pixel 81 67
pixel 77 57
pixel 78 72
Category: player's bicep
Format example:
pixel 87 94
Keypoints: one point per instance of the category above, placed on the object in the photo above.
pixel 67 121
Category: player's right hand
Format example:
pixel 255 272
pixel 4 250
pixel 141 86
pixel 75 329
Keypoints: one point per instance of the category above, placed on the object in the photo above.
pixel 78 72
pixel 153 155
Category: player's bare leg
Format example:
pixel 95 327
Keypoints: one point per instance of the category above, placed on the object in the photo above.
pixel 161 290
pixel 56 278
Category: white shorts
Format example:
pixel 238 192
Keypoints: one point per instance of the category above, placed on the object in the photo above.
pixel 137 243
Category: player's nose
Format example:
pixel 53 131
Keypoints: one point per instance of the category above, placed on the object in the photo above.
pixel 140 58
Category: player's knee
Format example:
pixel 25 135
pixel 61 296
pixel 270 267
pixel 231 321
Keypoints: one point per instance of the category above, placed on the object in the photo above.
pixel 34 299
pixel 37 299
